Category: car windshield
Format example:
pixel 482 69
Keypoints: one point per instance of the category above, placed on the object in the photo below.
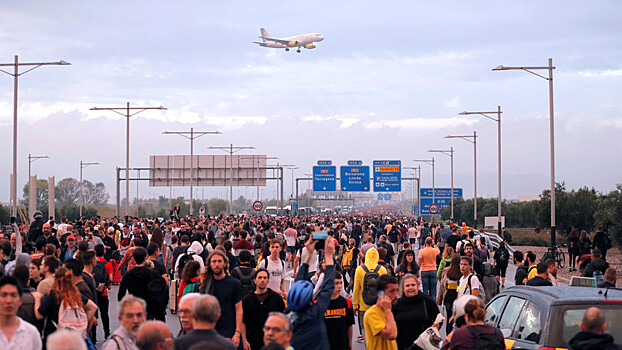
pixel 569 323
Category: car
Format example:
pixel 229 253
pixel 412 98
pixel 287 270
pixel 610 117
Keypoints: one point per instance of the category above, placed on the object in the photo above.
pixel 546 318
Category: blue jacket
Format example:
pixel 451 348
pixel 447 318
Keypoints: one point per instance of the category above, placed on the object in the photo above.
pixel 309 326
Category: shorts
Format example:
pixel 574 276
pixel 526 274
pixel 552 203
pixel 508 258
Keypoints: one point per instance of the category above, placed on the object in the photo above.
pixel 291 249
pixel 501 270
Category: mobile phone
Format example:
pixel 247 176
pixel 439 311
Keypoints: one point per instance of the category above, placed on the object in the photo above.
pixel 380 294
pixel 320 235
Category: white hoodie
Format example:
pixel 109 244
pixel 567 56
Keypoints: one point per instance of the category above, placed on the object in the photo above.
pixel 195 248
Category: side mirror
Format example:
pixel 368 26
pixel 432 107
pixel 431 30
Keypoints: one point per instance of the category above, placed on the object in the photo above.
pixel 506 332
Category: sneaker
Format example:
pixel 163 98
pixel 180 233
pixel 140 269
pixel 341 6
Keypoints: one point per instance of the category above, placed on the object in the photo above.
pixel 360 339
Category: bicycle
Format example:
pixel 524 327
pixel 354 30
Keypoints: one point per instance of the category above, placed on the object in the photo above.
pixel 557 254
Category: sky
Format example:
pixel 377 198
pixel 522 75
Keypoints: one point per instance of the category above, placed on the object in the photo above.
pixel 387 82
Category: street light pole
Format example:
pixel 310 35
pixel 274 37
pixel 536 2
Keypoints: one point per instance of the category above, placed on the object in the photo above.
pixel 127 116
pixel 31 159
pixel 498 120
pixel 231 150
pixel 82 166
pixel 450 153
pixel 550 68
pixel 292 169
pixel 16 74
pixel 474 142
pixel 193 135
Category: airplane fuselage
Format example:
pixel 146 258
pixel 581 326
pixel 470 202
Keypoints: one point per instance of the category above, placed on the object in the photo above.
pixel 303 40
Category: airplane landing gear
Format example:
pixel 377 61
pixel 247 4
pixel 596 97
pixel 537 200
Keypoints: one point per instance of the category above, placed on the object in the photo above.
pixel 298 50
pixel 286 49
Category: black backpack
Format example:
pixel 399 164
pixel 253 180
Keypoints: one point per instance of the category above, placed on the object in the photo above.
pixel 183 260
pixel 246 280
pixel 488 341
pixel 158 292
pixel 370 285
pixel 100 274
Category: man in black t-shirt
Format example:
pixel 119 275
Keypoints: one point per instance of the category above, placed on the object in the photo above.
pixel 154 252
pixel 257 306
pixel 453 240
pixel 228 291
pixel 339 318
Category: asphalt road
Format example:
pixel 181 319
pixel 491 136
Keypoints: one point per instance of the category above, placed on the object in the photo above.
pixel 173 320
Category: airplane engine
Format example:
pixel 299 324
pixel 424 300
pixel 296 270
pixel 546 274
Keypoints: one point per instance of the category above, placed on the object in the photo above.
pixel 292 43
pixel 310 46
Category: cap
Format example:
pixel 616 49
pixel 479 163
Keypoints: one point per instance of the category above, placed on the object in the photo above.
pixel 71 237
pixel 460 303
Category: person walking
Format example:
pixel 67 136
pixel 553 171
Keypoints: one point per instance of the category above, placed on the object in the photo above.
pixel 257 306
pixel 380 326
pixel 427 262
pixel 15 333
pixel 476 330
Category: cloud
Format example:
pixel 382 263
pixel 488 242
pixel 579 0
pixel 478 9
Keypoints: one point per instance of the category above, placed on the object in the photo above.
pixel 420 123
pixel 601 73
pixel 453 103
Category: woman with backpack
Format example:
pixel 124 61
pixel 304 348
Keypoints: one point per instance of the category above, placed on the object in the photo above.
pixel 189 279
pixel 501 259
pixel 476 334
pixel 449 285
pixel 64 307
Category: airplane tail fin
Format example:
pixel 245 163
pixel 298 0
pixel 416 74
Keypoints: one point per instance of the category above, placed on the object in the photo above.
pixel 264 34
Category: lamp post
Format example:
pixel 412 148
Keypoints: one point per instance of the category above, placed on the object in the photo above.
pixel 231 150
pixel 498 120
pixel 474 142
pixel 417 170
pixel 31 159
pixel 193 135
pixel 16 74
pixel 82 166
pixel 308 187
pixel 127 116
pixel 431 162
pixel 450 153
pixel 550 68
pixel 292 168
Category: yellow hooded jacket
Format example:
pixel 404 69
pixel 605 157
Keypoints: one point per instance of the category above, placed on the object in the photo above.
pixel 371 261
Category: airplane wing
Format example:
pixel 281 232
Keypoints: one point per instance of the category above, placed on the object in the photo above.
pixel 280 41
pixel 260 44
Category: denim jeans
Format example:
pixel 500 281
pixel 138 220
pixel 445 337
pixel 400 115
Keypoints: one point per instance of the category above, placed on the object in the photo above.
pixel 429 279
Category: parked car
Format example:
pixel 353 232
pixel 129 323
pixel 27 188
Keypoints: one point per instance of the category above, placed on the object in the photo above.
pixel 546 318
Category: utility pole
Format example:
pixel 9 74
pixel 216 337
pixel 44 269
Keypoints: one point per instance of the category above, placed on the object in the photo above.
pixel 450 153
pixel 16 74
pixel 230 149
pixel 82 166
pixel 431 162
pixel 192 135
pixel 127 116
pixel 474 142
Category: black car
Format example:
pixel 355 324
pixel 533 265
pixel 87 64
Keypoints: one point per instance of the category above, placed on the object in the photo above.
pixel 548 317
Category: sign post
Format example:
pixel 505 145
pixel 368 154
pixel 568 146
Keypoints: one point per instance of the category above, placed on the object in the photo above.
pixel 257 205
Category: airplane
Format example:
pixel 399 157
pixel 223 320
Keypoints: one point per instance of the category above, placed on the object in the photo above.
pixel 303 40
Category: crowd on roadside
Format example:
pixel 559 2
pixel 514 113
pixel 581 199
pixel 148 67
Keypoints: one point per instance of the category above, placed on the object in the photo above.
pixel 225 277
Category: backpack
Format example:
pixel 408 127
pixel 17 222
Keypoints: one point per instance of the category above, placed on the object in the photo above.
pixel 598 275
pixel 370 280
pixel 504 256
pixel 487 341
pixel 191 288
pixel 346 262
pixel 158 293
pixel 246 280
pixel 483 253
pixel 265 264
pixel 425 232
pixel 481 292
pixel 607 241
pixel 72 318
pixel 100 274
pixel 183 260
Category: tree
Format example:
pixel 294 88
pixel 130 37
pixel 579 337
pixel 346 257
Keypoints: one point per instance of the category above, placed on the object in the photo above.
pixel 608 215
pixel 68 191
pixel 42 193
pixel 216 205
pixel 94 193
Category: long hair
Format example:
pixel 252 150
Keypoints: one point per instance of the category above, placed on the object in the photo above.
pixel 413 264
pixel 454 273
pixel 157 237
pixel 65 290
pixel 208 270
pixel 191 270
pixel 448 251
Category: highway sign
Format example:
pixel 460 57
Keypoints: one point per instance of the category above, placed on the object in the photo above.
pixel 324 162
pixel 387 175
pixel 384 196
pixel 433 209
pixel 426 202
pixel 355 162
pixel 294 208
pixel 324 178
pixel 257 205
pixel 440 192
pixel 355 178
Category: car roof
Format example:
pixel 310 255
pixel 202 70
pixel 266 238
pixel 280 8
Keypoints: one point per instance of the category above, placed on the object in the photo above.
pixel 563 294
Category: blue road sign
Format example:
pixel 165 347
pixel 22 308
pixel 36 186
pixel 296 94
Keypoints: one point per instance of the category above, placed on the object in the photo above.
pixel 387 175
pixel 426 202
pixel 355 178
pixel 324 178
pixel 384 196
pixel 440 192
pixel 324 162
pixel 355 162
pixel 294 208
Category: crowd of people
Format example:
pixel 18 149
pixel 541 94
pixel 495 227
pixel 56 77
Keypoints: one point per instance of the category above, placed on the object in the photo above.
pixel 226 279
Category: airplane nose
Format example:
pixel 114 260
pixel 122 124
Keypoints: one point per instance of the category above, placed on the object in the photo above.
pixel 321 37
